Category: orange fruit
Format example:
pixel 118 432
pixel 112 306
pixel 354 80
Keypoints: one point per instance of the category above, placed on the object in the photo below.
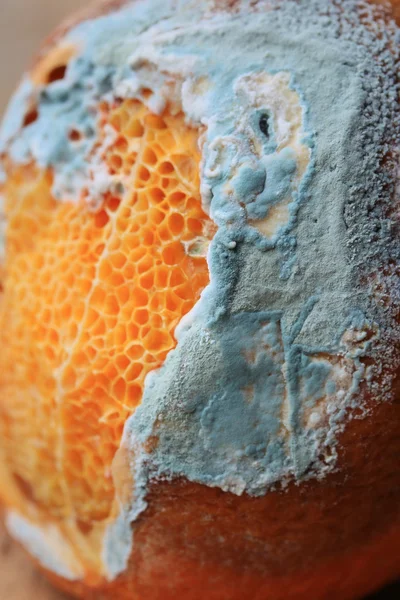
pixel 110 251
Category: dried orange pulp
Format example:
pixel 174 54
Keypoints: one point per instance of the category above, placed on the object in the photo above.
pixel 89 306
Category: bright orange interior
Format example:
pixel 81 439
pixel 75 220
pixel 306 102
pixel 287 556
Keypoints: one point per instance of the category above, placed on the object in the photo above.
pixel 89 306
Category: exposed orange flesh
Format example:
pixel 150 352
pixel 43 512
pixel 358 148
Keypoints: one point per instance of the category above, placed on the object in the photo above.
pixel 89 307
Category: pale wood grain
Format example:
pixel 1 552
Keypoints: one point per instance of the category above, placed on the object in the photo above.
pixel 23 24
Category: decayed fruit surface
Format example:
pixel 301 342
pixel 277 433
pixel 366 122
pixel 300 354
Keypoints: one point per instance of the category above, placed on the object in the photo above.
pixel 91 303
pixel 199 302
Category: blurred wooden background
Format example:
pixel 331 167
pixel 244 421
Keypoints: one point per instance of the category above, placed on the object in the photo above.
pixel 23 23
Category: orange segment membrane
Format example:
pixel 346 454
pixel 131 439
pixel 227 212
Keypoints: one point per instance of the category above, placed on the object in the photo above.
pixel 89 307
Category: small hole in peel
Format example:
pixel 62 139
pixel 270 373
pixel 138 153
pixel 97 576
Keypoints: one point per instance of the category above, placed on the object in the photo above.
pixel 75 135
pixel 31 117
pixel 264 125
pixel 57 73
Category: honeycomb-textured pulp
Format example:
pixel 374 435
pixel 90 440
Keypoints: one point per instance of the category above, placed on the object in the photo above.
pixel 89 306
